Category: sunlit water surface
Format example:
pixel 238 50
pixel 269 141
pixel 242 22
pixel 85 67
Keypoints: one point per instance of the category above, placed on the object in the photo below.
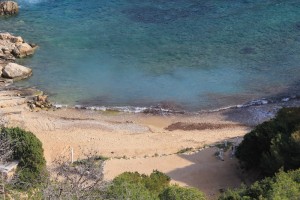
pixel 190 54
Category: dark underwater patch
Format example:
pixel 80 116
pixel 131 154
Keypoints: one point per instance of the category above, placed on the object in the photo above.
pixel 248 50
pixel 297 26
pixel 151 14
pixel 154 15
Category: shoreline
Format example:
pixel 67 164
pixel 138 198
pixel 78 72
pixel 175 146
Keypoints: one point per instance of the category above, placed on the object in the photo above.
pixel 161 109
pixel 14 100
pixel 142 142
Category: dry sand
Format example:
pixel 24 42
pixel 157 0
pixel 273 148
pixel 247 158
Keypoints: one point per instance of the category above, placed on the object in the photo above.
pixel 113 134
pixel 136 136
pixel 201 170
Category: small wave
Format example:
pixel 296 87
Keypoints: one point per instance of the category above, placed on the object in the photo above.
pixel 31 1
pixel 129 109
pixel 132 109
pixel 60 106
pixel 161 110
pixel 256 102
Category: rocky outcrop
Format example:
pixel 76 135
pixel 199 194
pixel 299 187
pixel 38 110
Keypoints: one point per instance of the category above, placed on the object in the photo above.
pixel 23 50
pixel 14 46
pixel 8 8
pixel 39 101
pixel 15 71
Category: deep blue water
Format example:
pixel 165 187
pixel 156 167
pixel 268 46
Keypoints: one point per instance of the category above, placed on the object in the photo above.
pixel 196 54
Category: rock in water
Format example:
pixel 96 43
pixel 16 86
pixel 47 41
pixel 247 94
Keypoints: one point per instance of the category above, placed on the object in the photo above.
pixel 22 50
pixel 15 71
pixel 8 8
pixel 14 46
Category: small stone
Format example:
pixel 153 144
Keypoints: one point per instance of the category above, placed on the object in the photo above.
pixel 42 98
pixel 35 98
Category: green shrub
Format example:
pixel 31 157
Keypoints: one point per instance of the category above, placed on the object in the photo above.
pixel 157 182
pixel 129 190
pixel 283 186
pixel 28 150
pixel 133 184
pixel 175 192
pixel 273 144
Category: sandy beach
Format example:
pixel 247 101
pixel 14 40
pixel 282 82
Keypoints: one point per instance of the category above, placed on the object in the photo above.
pixel 140 142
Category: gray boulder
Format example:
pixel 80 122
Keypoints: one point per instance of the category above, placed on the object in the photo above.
pixel 8 8
pixel 15 71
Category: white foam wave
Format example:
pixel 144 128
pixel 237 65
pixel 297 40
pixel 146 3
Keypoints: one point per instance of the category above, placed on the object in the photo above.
pixel 128 109
pixel 160 110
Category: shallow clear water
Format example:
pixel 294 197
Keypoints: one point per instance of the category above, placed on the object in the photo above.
pixel 194 54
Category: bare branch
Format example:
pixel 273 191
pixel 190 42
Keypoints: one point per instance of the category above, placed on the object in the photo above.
pixel 6 148
pixel 80 180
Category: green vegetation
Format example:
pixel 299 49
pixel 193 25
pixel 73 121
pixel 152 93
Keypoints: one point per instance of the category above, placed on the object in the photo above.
pixel 273 145
pixel 94 159
pixel 135 186
pixel 27 149
pixel 138 186
pixel 178 193
pixel 283 186
pixel 83 178
pixel 185 150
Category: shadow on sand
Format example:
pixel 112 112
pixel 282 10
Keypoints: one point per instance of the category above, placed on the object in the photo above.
pixel 209 173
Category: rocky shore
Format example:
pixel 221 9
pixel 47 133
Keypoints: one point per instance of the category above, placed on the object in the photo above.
pixel 12 47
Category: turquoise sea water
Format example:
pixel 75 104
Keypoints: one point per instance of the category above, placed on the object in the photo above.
pixel 192 54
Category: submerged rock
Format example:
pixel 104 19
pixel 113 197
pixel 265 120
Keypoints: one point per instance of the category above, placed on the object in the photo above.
pixel 15 71
pixel 8 8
